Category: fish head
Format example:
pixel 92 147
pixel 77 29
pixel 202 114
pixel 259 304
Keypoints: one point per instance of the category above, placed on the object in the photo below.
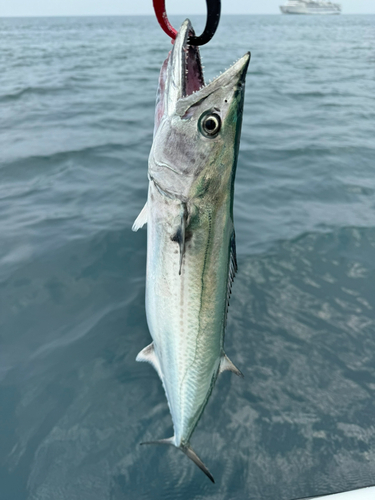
pixel 197 126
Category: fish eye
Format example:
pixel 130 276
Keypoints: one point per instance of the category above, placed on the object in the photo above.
pixel 211 125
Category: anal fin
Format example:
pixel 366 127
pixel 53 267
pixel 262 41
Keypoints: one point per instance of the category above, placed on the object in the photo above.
pixel 141 220
pixel 227 365
pixel 148 355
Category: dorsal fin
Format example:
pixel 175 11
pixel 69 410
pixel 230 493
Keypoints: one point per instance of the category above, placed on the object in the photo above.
pixel 227 365
pixel 148 355
pixel 141 220
pixel 232 271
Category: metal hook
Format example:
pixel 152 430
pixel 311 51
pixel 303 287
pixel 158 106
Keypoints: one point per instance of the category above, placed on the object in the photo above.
pixel 213 18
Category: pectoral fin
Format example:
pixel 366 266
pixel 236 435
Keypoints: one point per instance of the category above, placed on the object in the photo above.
pixel 180 235
pixel 141 220
pixel 227 365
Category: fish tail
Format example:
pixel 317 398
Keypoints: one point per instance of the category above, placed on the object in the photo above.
pixel 168 441
pixel 189 452
pixel 194 457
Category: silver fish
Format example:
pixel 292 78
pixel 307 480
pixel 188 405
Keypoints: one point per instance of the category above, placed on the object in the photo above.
pixel 191 255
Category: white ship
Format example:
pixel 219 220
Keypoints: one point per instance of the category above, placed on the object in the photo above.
pixel 310 7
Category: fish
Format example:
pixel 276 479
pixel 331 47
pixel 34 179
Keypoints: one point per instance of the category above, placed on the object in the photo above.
pixel 191 249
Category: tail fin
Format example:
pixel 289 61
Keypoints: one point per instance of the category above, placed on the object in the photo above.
pixel 168 441
pixel 194 457
pixel 185 448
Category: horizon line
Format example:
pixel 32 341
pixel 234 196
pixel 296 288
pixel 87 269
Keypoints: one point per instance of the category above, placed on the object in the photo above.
pixel 172 14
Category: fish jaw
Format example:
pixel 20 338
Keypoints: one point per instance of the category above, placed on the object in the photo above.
pixel 180 75
pixel 183 159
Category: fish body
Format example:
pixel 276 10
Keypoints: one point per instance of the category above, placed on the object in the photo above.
pixel 191 258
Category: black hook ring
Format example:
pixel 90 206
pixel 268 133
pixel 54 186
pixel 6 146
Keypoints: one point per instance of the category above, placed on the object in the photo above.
pixel 213 19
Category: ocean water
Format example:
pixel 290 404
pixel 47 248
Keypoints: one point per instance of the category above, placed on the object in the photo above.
pixel 76 121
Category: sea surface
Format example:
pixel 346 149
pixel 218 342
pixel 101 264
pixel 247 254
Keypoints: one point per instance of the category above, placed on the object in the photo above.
pixel 76 121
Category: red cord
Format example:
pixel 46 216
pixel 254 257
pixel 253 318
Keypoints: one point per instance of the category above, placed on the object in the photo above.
pixel 161 14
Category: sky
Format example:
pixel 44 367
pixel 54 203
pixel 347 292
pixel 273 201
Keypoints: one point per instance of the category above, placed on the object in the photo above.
pixel 129 7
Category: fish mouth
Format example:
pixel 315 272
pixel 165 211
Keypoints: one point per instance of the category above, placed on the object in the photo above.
pixel 181 82
pixel 186 63
pixel 186 72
